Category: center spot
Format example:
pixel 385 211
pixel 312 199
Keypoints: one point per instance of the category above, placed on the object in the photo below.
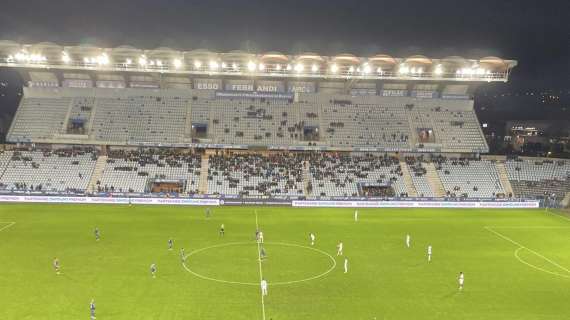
pixel 238 263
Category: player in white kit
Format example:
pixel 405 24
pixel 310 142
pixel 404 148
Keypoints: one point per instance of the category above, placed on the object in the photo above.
pixel 429 253
pixel 355 215
pixel 263 287
pixel 345 265
pixel 312 237
pixel 339 249
pixel 461 280
pixel 408 240
pixel 260 236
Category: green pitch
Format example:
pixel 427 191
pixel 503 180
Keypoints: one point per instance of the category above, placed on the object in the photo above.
pixel 516 263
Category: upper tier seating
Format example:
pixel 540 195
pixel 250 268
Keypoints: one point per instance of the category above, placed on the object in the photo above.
pixel 164 117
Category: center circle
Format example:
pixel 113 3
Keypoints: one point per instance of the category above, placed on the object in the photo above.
pixel 238 263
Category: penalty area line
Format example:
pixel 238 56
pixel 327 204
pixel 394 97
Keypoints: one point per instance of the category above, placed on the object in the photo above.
pixel 520 246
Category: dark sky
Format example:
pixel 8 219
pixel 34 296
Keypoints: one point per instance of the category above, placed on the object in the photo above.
pixel 537 33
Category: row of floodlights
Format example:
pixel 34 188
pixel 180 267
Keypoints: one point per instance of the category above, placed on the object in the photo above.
pixel 144 62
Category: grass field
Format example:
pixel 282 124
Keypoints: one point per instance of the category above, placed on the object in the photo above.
pixel 516 263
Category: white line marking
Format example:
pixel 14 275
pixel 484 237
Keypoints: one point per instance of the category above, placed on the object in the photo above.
pixel 530 250
pixel 260 270
pixel 331 268
pixel 9 224
pixel 535 267
pixel 561 216
pixel 529 227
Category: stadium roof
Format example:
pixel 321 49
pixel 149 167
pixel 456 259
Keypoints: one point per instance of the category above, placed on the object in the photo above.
pixel 270 64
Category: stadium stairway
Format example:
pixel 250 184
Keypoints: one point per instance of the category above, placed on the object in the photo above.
pixel 503 178
pixel 306 178
pixel 434 181
pixel 408 182
pixel 67 115
pixel 203 184
pixel 97 172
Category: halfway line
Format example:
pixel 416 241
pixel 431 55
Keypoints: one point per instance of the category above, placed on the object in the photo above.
pixel 260 271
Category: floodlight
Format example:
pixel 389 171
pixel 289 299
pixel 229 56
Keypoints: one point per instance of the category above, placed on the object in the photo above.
pixel 351 69
pixel 143 61
pixel 379 70
pixel 315 68
pixel 214 65
pixel 299 67
pixel 366 69
pixel 224 65
pixel 197 64
pixel 438 70
pixel 159 63
pixel 234 66
pixel 289 67
pixel 128 61
pixel 251 66
pixel 177 63
pixel 261 67
pixel 278 67
pixel 334 68
pixel 65 57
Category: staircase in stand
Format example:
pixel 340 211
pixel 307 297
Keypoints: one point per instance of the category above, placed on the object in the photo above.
pixel 203 184
pixel 306 178
pixel 504 178
pixel 434 180
pixel 408 182
pixel 97 172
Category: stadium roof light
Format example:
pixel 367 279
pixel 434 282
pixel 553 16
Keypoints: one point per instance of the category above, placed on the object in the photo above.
pixel 420 70
pixel 334 68
pixel 65 57
pixel 404 69
pixel 103 59
pixel 278 67
pixel 299 67
pixel 143 61
pixel 224 65
pixel 214 65
pixel 289 67
pixel 314 68
pixel 438 70
pixel 379 70
pixel 351 69
pixel 128 61
pixel 261 67
pixel 235 66
pixel 251 66
pixel 366 69
pixel 197 64
pixel 177 63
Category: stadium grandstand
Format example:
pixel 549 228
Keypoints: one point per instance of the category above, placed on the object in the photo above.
pixel 199 124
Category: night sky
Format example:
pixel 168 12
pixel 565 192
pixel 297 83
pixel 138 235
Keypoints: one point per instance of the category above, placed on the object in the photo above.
pixel 536 33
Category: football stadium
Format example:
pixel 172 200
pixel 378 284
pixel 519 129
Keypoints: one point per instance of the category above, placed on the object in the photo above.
pixel 167 184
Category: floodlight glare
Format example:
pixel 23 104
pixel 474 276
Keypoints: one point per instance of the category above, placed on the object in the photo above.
pixel 234 66
pixel 289 67
pixel 177 63
pixel 214 65
pixel 128 61
pixel 366 69
pixel 65 57
pixel 251 66
pixel 142 61
pixel 261 67
pixel 438 70
pixel 197 64
pixel 224 65
pixel 315 68
pixel 278 67
pixel 379 70
pixel 299 67
pixel 351 69
pixel 334 68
